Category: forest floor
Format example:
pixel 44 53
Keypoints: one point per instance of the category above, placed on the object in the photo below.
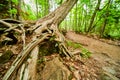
pixel 95 45
pixel 105 52
pixel 103 64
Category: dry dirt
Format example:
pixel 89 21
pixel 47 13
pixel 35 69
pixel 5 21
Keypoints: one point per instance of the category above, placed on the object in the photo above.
pixel 95 46
pixel 106 55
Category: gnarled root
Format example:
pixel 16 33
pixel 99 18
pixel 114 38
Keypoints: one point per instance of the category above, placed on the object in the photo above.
pixel 26 61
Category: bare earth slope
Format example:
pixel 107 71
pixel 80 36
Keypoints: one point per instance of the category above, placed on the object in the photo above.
pixel 96 46
pixel 106 55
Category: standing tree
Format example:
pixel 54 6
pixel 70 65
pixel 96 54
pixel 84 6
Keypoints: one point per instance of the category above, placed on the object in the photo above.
pixel 93 16
pixel 105 18
pixel 45 28
pixel 18 6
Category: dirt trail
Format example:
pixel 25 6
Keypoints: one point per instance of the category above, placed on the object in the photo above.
pixel 107 56
pixel 96 46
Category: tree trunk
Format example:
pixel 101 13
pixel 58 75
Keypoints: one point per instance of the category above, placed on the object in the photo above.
pixel 58 13
pixel 105 19
pixel 47 7
pixel 36 2
pixel 45 28
pixel 18 10
pixel 93 16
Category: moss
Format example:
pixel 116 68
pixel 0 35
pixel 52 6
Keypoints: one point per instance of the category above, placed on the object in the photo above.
pixel 73 44
pixel 85 53
pixel 6 56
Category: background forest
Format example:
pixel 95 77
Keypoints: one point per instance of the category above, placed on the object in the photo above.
pixel 96 17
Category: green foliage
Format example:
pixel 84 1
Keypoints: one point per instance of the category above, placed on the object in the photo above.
pixel 6 56
pixel 29 13
pixel 74 45
pixel 85 53
pixel 59 1
pixel 1 5
pixel 13 11
pixel 106 22
pixel 52 38
pixel 41 60
pixel 112 32
pixel 15 2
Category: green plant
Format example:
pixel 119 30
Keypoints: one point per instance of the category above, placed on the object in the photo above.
pixel 73 44
pixel 15 1
pixel 13 11
pixel 41 60
pixel 85 53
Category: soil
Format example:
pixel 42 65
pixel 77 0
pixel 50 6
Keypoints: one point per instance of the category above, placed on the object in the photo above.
pixel 103 64
pixel 106 54
pixel 96 46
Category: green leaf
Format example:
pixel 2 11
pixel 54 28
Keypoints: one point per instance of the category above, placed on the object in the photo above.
pixel 13 11
pixel 15 1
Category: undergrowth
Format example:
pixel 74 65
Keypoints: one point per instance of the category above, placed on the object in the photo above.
pixel 85 53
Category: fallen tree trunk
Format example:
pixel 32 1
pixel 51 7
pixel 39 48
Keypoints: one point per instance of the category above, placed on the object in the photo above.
pixel 24 67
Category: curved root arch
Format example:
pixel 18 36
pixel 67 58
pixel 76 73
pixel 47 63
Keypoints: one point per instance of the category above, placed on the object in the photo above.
pixel 24 67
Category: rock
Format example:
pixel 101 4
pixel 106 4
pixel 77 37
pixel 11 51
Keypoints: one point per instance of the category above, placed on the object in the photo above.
pixel 109 69
pixel 54 70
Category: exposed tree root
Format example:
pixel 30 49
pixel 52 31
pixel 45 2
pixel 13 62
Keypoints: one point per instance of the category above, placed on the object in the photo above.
pixel 29 65
pixel 45 28
pixel 21 57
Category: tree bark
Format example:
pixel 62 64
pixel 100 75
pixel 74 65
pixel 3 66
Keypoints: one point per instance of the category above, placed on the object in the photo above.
pixel 93 16
pixel 18 10
pixel 58 13
pixel 105 19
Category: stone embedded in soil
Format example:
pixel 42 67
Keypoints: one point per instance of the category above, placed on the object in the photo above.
pixel 54 70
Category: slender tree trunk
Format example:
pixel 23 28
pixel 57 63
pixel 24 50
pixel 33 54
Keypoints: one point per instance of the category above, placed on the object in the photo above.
pixel 37 8
pixel 105 19
pixel 76 20
pixel 47 7
pixel 85 29
pixel 10 7
pixel 18 10
pixel 94 15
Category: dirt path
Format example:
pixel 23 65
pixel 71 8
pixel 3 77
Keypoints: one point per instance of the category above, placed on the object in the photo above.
pixel 96 46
